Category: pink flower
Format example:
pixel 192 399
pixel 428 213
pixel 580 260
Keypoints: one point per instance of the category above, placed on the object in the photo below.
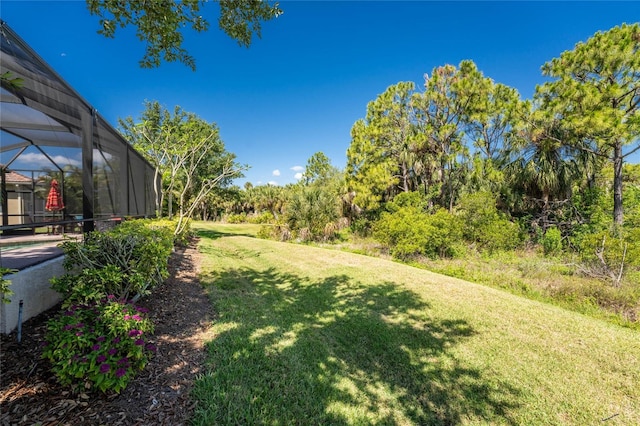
pixel 79 333
pixel 137 317
pixel 120 372
pixel 111 297
pixel 101 358
pixel 95 347
pixel 134 333
pixel 113 351
pixel 104 368
pixel 127 317
pixel 151 347
pixel 139 342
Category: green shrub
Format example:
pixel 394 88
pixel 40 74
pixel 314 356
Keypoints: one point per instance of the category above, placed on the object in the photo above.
pixel 99 345
pixel 90 285
pixel 266 232
pixel 167 227
pixel 413 199
pixel 552 241
pixel 237 218
pixel 361 226
pixel 261 218
pixel 484 226
pixel 127 261
pixel 409 232
pixel 310 210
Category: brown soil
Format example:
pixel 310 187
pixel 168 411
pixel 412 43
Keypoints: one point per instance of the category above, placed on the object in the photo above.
pixel 159 395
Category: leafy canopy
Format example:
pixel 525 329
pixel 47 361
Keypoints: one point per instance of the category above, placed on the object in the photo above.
pixel 159 23
pixel 596 96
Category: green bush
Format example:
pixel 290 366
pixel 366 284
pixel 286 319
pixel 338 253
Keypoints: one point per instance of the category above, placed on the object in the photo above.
pixel 99 345
pixel 409 232
pixel 413 199
pixel 127 261
pixel 261 218
pixel 89 285
pixel 266 232
pixel 237 218
pixel 552 241
pixel 484 226
pixel 361 226
pixel 310 210
pixel 166 227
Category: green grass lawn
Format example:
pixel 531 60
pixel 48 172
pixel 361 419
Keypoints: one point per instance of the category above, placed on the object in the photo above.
pixel 306 335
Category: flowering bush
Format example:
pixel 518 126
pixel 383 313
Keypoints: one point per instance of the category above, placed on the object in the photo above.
pixel 99 345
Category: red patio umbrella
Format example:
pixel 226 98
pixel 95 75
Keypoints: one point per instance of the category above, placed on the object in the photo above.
pixel 54 200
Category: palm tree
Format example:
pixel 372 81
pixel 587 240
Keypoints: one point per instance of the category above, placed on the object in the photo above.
pixel 544 165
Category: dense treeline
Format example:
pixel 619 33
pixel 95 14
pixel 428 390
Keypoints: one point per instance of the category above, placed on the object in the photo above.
pixel 466 164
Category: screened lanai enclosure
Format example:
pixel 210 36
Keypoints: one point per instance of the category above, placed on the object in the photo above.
pixel 62 165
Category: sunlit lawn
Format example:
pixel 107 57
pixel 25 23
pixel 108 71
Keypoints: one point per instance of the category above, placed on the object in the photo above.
pixel 306 335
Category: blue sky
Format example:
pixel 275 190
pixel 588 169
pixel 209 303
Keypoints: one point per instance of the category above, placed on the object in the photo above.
pixel 300 88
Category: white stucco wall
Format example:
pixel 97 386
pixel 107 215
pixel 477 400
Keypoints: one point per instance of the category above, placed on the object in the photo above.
pixel 32 286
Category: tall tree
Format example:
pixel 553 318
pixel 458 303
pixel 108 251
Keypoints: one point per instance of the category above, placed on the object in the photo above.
pixel 318 168
pixel 187 151
pixel 159 23
pixel 440 115
pixel 153 137
pixel 596 95
pixel 490 113
pixel 378 159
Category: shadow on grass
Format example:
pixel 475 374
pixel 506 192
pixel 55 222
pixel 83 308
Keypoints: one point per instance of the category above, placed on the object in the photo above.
pixel 215 234
pixel 336 351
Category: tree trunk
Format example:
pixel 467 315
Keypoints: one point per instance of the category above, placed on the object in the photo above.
pixel 617 184
pixel 405 177
pixel 157 189
pixel 545 211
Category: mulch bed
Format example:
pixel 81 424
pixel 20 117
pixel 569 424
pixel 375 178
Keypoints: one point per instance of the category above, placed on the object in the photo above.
pixel 159 395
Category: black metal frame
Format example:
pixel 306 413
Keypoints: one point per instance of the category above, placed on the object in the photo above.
pixel 67 114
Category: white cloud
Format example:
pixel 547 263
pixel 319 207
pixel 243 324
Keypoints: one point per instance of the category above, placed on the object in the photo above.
pixel 103 159
pixel 276 172
pixel 297 168
pixel 63 54
pixel 272 182
pixel 298 176
pixel 41 161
